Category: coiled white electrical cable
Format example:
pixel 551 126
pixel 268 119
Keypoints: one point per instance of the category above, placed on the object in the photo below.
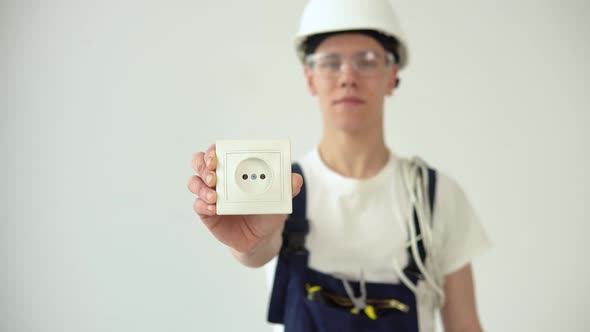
pixel 425 215
pixel 415 179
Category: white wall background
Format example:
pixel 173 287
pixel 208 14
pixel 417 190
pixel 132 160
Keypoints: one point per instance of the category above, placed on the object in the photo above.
pixel 103 102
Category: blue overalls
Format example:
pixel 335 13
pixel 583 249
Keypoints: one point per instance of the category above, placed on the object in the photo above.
pixel 306 300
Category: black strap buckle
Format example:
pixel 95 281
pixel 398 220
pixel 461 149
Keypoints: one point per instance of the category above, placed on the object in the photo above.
pixel 294 237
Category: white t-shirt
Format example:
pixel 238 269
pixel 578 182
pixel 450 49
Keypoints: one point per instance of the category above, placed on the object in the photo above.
pixel 357 224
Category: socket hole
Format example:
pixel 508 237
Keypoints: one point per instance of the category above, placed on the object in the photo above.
pixel 247 178
pixel 262 176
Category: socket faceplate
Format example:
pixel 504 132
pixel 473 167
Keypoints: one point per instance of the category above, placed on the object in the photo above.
pixel 253 177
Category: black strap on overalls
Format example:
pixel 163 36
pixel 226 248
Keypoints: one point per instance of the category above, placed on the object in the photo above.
pixel 293 256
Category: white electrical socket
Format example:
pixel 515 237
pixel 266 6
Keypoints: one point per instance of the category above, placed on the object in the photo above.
pixel 253 177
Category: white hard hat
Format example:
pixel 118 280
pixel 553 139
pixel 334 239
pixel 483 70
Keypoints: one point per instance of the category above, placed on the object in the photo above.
pixel 324 16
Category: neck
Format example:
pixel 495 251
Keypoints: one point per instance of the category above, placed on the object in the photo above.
pixel 355 155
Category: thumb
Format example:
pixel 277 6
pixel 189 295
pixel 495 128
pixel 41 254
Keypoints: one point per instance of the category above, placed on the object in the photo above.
pixel 296 183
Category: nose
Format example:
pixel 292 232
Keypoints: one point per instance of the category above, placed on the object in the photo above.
pixel 348 75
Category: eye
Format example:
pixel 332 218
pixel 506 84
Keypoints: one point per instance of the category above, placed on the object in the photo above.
pixel 364 64
pixel 329 64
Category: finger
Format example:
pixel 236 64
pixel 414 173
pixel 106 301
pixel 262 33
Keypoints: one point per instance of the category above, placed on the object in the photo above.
pixel 296 183
pixel 198 162
pixel 210 148
pixel 203 209
pixel 210 179
pixel 211 157
pixel 198 187
pixel 200 167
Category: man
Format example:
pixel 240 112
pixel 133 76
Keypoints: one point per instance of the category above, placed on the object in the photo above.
pixel 357 203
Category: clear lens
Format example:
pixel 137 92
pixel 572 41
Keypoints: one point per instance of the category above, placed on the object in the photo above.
pixel 366 63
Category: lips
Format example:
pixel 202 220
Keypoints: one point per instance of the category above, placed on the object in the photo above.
pixel 349 100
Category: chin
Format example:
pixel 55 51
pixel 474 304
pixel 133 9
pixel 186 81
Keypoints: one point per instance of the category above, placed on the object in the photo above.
pixel 352 127
pixel 350 122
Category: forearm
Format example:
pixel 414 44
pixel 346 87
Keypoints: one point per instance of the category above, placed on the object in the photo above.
pixel 475 328
pixel 262 253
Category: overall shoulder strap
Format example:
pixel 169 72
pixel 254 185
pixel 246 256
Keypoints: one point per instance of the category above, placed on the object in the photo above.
pixel 431 188
pixel 296 225
pixel 293 256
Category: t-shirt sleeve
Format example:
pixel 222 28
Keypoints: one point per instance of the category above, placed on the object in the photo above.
pixel 458 233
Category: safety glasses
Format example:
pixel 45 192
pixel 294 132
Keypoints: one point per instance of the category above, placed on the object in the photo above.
pixel 364 63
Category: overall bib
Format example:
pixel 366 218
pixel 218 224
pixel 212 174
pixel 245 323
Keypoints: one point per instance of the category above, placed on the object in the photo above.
pixel 306 300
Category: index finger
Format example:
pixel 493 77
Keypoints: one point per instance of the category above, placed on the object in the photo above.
pixel 211 158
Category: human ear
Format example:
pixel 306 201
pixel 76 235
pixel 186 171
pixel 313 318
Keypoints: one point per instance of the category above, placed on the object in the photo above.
pixel 392 80
pixel 309 80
